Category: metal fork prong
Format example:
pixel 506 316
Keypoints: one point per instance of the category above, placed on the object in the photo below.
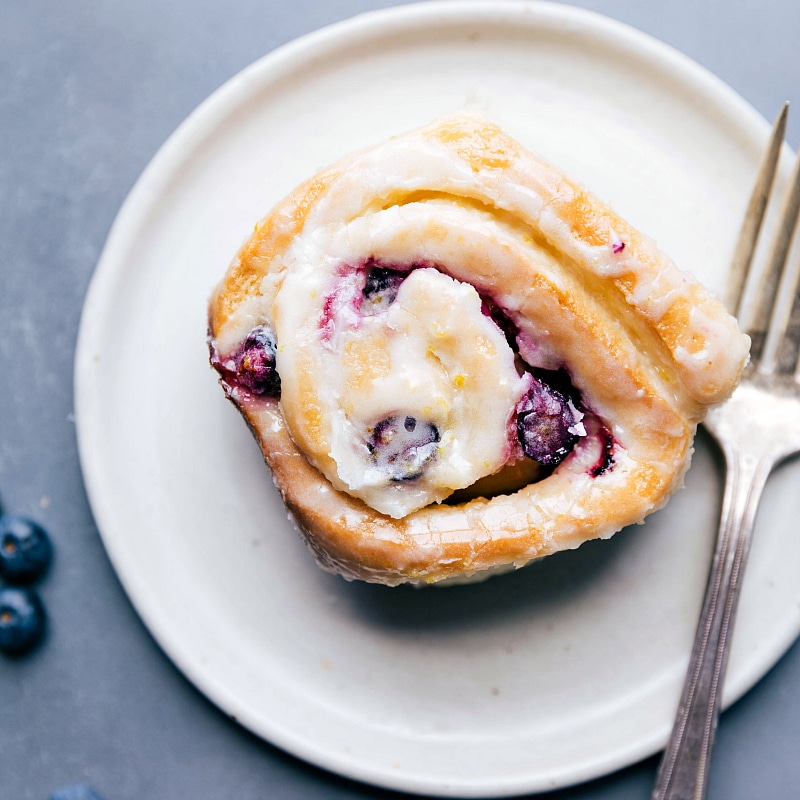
pixel 779 282
pixel 794 335
pixel 754 216
pixel 757 428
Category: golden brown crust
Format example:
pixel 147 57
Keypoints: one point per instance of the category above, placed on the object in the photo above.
pixel 445 541
pixel 271 237
pixel 647 347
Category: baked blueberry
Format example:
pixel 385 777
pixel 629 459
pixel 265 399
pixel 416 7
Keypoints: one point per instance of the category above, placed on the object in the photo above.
pixel 25 549
pixel 380 289
pixel 77 791
pixel 255 363
pixel 22 619
pixel 546 425
pixel 402 446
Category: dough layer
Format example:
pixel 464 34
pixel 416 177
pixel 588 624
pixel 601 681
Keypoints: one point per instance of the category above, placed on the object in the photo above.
pixel 648 349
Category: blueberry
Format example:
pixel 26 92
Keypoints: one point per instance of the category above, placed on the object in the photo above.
pixel 22 620
pixel 380 289
pixel 545 425
pixel 403 446
pixel 74 792
pixel 255 363
pixel 25 549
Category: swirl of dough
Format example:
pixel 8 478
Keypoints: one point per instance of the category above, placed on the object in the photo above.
pixel 467 361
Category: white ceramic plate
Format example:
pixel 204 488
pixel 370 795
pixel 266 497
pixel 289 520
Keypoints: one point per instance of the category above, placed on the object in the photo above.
pixel 561 672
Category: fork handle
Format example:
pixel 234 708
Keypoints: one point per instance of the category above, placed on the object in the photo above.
pixel 683 772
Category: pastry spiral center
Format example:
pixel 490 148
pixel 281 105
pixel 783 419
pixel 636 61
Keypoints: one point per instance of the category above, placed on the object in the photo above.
pixel 413 386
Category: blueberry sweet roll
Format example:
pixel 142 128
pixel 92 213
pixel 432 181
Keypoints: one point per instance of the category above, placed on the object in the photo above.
pixel 455 359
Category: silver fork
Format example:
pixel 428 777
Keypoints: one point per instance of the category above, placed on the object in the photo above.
pixel 756 429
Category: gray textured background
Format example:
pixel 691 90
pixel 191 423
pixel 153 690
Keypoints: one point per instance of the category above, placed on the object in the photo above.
pixel 89 89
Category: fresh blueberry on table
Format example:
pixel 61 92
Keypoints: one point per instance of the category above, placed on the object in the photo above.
pixel 22 619
pixel 25 549
pixel 76 791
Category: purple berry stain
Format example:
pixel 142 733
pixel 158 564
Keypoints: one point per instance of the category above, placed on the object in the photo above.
pixel 402 446
pixel 255 363
pixel 617 245
pixel 546 425
pixel 606 461
pixel 510 330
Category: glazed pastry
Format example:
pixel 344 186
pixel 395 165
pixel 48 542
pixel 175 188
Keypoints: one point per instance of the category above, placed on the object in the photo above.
pixel 455 359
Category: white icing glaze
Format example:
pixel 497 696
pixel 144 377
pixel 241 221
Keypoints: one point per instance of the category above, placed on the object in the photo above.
pixel 432 356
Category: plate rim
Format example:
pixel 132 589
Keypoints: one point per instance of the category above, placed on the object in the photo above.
pixel 167 161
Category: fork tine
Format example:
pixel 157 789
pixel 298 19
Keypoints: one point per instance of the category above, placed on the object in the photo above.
pixel 754 216
pixel 793 335
pixel 779 281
